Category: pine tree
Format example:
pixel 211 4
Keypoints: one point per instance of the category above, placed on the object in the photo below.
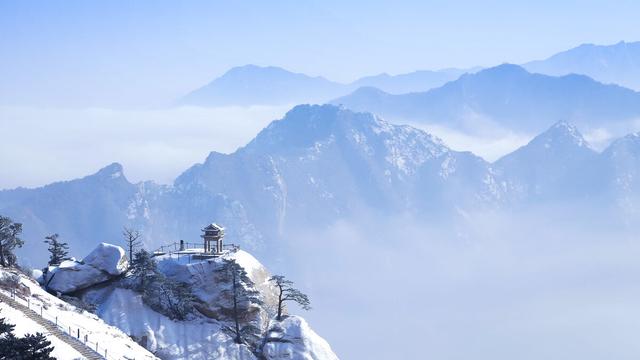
pixel 167 296
pixel 286 292
pixel 5 327
pixel 244 297
pixel 9 240
pixel 144 268
pixel 131 239
pixel 29 347
pixel 36 347
pixel 176 297
pixel 58 249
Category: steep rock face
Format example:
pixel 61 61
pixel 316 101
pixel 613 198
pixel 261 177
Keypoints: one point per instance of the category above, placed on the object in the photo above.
pixel 320 163
pixel 168 339
pixel 203 335
pixel 208 281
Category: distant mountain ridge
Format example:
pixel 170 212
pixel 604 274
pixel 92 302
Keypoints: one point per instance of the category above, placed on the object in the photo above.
pixel 256 85
pixel 506 95
pixel 610 64
pixel 270 85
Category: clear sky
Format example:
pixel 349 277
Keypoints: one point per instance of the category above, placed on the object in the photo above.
pixel 146 53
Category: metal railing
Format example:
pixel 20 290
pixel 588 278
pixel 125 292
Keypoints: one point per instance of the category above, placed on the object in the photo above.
pixel 177 246
pixel 84 335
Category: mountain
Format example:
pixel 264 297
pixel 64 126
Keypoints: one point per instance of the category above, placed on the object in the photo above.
pixel 421 80
pixel 623 172
pixel 506 95
pixel 298 195
pixel 323 163
pixel 257 85
pixel 95 208
pixel 556 165
pixel 316 165
pixel 85 211
pixel 609 64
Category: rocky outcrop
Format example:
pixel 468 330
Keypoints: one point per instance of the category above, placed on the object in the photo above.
pixel 293 338
pixel 103 263
pixel 108 258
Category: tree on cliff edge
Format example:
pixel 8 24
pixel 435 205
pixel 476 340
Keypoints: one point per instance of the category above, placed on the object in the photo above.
pixel 286 292
pixel 57 249
pixel 9 240
pixel 244 297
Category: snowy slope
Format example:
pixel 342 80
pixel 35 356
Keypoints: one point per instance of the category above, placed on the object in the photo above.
pixel 24 325
pixel 169 339
pixel 99 334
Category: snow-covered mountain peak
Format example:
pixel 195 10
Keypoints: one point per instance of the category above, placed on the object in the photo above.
pixel 561 135
pixel 629 144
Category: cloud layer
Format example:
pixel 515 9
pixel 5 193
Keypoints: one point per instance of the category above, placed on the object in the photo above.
pixel 40 146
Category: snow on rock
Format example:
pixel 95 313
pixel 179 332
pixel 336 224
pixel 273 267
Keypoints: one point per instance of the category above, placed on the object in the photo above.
pixel 168 339
pixel 71 276
pixel 207 283
pixel 203 337
pixel 102 264
pixel 257 272
pixel 293 338
pixel 109 258
pixel 37 275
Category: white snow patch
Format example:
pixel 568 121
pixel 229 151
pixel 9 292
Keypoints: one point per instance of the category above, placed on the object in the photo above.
pixel 24 325
pixel 109 258
pixel 296 340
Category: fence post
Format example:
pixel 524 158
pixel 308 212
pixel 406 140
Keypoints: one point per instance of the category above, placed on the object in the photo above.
pixel 56 321
pixel 29 303
pixel 78 333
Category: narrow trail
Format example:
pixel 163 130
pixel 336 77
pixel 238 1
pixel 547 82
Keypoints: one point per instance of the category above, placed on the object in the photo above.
pixel 84 350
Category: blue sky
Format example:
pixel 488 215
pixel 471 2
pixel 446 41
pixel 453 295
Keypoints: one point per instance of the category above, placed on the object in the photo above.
pixel 146 53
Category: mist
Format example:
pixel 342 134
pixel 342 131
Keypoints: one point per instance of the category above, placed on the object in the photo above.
pixel 47 145
pixel 538 284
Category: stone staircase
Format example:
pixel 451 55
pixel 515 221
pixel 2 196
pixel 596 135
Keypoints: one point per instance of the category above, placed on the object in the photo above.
pixel 84 350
